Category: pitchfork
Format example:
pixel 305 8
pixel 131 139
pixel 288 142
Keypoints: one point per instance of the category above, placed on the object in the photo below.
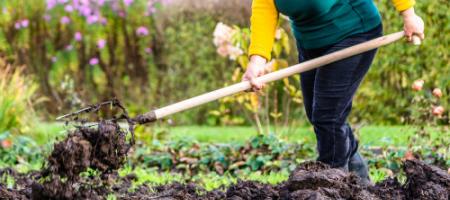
pixel 160 113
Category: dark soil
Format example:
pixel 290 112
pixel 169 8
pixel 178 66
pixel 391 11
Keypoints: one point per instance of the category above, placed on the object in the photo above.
pixel 105 148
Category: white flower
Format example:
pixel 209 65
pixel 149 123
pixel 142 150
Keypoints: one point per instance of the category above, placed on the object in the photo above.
pixel 234 52
pixel 222 34
pixel 223 50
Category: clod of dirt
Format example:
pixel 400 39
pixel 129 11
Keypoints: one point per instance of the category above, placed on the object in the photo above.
pixel 248 190
pixel 103 148
pixel 315 180
pixel 426 181
pixel 389 189
pixel 176 191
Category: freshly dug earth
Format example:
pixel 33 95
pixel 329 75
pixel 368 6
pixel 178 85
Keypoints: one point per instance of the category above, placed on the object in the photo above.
pixel 105 149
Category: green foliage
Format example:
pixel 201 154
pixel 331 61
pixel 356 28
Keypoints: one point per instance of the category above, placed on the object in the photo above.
pixel 16 99
pixel 23 153
pixel 261 153
pixel 188 64
pixel 385 96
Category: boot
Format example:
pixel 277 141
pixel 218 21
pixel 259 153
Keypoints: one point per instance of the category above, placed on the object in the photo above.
pixel 358 165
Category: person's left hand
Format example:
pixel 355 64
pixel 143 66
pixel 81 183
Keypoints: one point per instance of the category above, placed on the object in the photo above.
pixel 413 24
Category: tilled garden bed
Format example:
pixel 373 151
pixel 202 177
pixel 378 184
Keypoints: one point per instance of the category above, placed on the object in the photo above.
pixel 105 149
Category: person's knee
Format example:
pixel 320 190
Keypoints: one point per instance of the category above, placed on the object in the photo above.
pixel 323 118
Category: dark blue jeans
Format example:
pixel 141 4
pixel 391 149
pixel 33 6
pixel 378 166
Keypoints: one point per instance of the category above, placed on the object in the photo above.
pixel 328 92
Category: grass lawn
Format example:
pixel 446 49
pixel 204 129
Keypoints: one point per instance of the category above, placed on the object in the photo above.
pixel 369 135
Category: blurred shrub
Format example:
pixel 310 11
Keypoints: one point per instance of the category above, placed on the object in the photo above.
pixel 385 96
pixel 187 64
pixel 17 92
pixel 146 56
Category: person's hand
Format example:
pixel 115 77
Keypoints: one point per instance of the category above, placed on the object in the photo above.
pixel 255 68
pixel 413 24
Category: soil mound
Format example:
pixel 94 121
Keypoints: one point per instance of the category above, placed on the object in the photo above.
pixel 426 181
pixel 103 148
pixel 315 180
pixel 248 190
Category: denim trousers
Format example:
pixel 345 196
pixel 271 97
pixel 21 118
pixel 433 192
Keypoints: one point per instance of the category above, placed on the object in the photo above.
pixel 328 94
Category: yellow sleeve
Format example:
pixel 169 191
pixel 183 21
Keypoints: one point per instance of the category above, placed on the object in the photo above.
pixel 263 25
pixel 402 5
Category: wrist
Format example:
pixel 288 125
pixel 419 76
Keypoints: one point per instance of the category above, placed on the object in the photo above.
pixel 408 13
pixel 258 60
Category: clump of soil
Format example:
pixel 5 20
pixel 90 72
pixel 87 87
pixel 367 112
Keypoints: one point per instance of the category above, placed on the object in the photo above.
pixel 426 181
pixel 248 190
pixel 314 180
pixel 388 189
pixel 103 148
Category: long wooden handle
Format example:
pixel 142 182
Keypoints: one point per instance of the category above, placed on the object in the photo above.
pixel 277 75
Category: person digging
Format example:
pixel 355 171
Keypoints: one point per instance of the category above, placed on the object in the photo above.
pixel 340 36
pixel 320 28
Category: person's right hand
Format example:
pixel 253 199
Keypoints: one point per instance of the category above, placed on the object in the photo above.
pixel 255 68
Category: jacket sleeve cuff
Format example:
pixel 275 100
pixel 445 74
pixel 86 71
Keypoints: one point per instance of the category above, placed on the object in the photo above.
pixel 404 5
pixel 260 52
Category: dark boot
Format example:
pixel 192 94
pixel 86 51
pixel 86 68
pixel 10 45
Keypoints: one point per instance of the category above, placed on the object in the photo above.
pixel 358 165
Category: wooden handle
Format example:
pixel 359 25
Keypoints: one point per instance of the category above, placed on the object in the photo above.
pixel 277 75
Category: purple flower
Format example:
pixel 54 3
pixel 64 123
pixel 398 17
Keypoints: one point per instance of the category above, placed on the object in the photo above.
pixel 103 20
pixel 100 2
pixel 148 50
pixel 92 19
pixel 93 61
pixel 69 47
pixel 78 36
pixel 24 23
pixel 54 59
pixel 165 2
pixel 68 8
pixel 65 20
pixel 127 2
pixel 62 1
pixel 47 17
pixel 121 13
pixel 17 25
pixel 101 43
pixel 85 11
pixel 51 4
pixel 142 31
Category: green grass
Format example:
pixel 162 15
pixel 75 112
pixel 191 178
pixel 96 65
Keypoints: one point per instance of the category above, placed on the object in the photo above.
pixel 369 135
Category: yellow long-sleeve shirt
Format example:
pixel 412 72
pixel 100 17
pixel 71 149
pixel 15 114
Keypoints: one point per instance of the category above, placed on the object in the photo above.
pixel 315 22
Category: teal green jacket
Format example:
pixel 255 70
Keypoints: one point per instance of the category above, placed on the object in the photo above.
pixel 318 23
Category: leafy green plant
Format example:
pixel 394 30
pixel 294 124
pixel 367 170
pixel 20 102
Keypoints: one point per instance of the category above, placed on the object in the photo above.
pixel 261 153
pixel 23 154
pixel 16 99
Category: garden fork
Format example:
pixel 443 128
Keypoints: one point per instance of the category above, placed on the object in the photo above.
pixel 245 85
